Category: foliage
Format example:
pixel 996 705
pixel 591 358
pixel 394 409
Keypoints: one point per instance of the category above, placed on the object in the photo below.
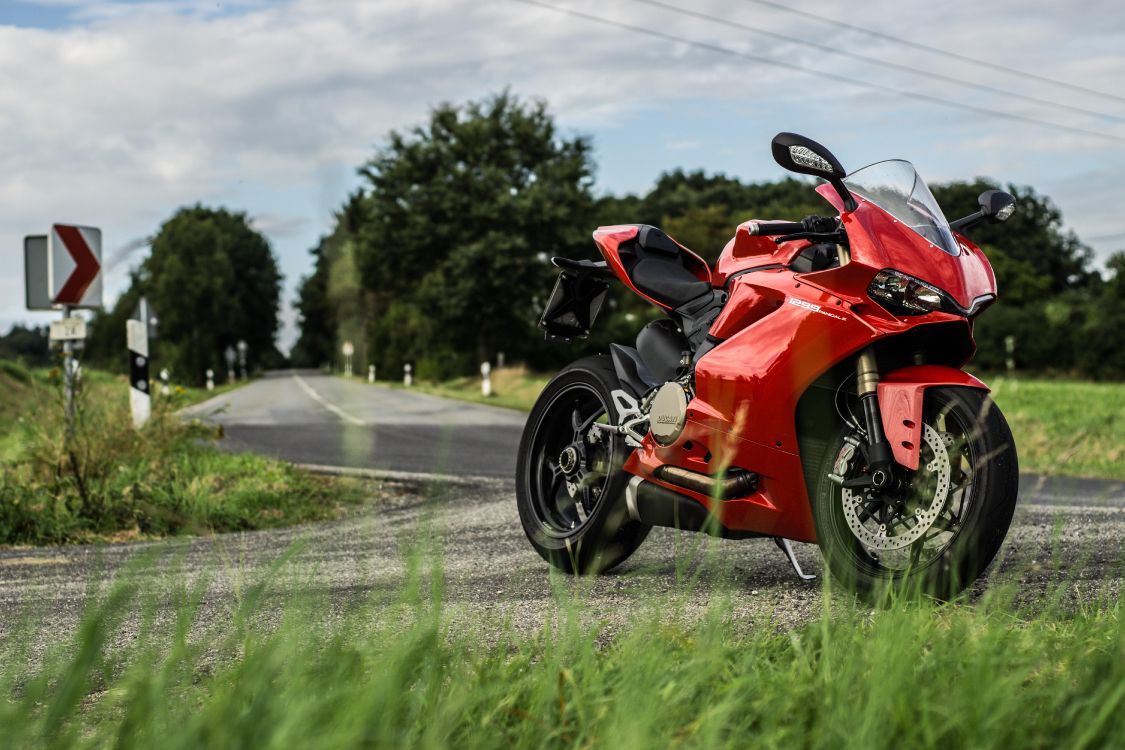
pixel 211 280
pixel 26 344
pixel 112 480
pixel 406 671
pixel 459 217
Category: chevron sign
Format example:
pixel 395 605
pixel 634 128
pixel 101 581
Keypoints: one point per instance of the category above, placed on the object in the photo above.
pixel 75 277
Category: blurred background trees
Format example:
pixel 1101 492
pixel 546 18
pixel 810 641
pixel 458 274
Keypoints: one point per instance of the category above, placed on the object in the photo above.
pixel 211 281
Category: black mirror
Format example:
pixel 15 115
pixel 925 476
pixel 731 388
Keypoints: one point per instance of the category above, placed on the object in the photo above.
pixel 995 206
pixel 805 156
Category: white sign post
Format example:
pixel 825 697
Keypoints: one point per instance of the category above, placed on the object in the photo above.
pixel 371 373
pixel 210 379
pixel 486 379
pixel 140 399
pixel 407 376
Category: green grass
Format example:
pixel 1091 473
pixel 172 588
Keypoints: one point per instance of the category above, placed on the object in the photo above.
pixel 401 671
pixel 1063 427
pixel 1072 428
pixel 512 388
pixel 113 482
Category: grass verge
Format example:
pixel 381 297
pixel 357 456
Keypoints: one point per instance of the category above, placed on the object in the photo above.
pixel 400 673
pixel 113 482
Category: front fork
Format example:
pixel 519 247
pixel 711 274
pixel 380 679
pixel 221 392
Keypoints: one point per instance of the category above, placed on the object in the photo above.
pixel 880 458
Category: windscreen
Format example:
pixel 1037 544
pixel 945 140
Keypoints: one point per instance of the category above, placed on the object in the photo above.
pixel 896 188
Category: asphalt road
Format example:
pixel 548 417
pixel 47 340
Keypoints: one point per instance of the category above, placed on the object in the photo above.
pixel 1072 530
pixel 310 418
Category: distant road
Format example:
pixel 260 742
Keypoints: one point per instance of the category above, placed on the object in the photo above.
pixel 311 418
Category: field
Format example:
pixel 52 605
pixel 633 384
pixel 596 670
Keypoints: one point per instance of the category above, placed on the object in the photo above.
pixel 1063 427
pixel 400 670
pixel 115 483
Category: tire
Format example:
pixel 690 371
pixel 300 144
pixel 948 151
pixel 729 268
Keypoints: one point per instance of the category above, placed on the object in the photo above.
pixel 988 448
pixel 606 536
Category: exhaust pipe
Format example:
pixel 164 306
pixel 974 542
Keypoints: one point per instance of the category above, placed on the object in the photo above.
pixel 726 488
pixel 659 506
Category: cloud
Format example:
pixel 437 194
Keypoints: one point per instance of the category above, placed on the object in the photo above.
pixel 134 109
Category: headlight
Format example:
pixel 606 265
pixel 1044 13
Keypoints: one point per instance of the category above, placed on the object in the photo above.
pixel 905 295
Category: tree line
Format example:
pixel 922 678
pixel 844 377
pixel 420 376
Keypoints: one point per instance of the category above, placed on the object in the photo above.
pixel 441 257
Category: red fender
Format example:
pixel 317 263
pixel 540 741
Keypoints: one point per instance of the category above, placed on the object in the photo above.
pixel 901 393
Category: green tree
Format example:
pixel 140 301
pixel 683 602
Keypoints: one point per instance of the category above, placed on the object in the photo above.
pixel 212 281
pixel 461 216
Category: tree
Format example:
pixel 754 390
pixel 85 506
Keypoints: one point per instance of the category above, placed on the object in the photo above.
pixel 212 281
pixel 460 217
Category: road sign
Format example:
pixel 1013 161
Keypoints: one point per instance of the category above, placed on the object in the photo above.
pixel 68 329
pixel 36 283
pixel 75 266
pixel 348 348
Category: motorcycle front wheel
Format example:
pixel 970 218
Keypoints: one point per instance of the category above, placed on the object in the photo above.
pixel 942 525
pixel 569 482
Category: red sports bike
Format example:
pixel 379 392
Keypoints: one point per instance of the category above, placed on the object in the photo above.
pixel 808 388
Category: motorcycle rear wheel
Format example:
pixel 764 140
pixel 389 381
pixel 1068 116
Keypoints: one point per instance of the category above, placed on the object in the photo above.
pixel 569 483
pixel 979 483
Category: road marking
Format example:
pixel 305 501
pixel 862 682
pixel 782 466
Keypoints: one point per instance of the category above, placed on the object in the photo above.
pixel 394 474
pixel 327 404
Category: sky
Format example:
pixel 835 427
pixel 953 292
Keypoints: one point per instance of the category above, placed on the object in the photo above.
pixel 114 114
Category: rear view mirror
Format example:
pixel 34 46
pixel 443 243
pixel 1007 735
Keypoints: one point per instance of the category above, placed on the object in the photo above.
pixel 995 206
pixel 805 156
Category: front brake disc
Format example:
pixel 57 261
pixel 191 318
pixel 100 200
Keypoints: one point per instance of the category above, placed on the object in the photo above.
pixel 876 536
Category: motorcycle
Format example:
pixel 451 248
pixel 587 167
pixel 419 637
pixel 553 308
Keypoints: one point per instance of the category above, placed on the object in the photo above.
pixel 807 388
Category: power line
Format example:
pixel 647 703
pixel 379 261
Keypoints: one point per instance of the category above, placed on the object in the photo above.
pixel 876 61
pixel 821 73
pixel 935 50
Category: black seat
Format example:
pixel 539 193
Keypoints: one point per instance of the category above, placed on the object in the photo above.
pixel 658 269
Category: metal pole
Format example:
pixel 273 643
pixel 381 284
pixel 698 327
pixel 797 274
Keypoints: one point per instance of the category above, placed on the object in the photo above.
pixel 68 382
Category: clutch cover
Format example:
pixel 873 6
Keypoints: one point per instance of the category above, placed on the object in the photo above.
pixel 668 413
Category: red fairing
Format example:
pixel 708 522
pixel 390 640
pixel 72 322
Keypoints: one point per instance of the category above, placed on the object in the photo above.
pixel 901 396
pixel 879 241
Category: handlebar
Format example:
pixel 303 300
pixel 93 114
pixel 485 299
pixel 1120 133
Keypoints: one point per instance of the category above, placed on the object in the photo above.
pixel 814 224
pixel 772 228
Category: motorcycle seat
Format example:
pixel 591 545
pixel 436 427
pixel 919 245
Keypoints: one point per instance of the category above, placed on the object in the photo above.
pixel 657 269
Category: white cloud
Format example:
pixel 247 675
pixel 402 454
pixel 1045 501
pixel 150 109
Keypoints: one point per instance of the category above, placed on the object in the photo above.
pixel 134 109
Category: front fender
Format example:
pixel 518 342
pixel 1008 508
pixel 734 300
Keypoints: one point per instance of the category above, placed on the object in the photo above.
pixel 901 395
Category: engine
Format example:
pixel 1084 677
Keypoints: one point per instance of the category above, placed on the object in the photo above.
pixel 667 410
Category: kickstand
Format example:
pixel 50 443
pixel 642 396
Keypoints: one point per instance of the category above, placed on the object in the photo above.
pixel 787 549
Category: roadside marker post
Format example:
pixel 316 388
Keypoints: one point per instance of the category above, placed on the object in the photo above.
pixel 407 377
pixel 229 356
pixel 348 350
pixel 210 379
pixel 242 348
pixel 164 375
pixel 486 379
pixel 499 360
pixel 371 373
pixel 140 399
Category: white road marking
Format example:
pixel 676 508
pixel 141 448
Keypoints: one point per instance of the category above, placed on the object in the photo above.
pixel 327 404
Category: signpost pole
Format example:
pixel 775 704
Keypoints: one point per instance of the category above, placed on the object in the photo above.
pixel 68 382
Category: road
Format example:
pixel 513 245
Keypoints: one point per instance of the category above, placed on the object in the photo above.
pixel 1070 528
pixel 310 418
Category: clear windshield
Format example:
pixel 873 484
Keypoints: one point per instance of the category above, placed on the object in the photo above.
pixel 896 187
